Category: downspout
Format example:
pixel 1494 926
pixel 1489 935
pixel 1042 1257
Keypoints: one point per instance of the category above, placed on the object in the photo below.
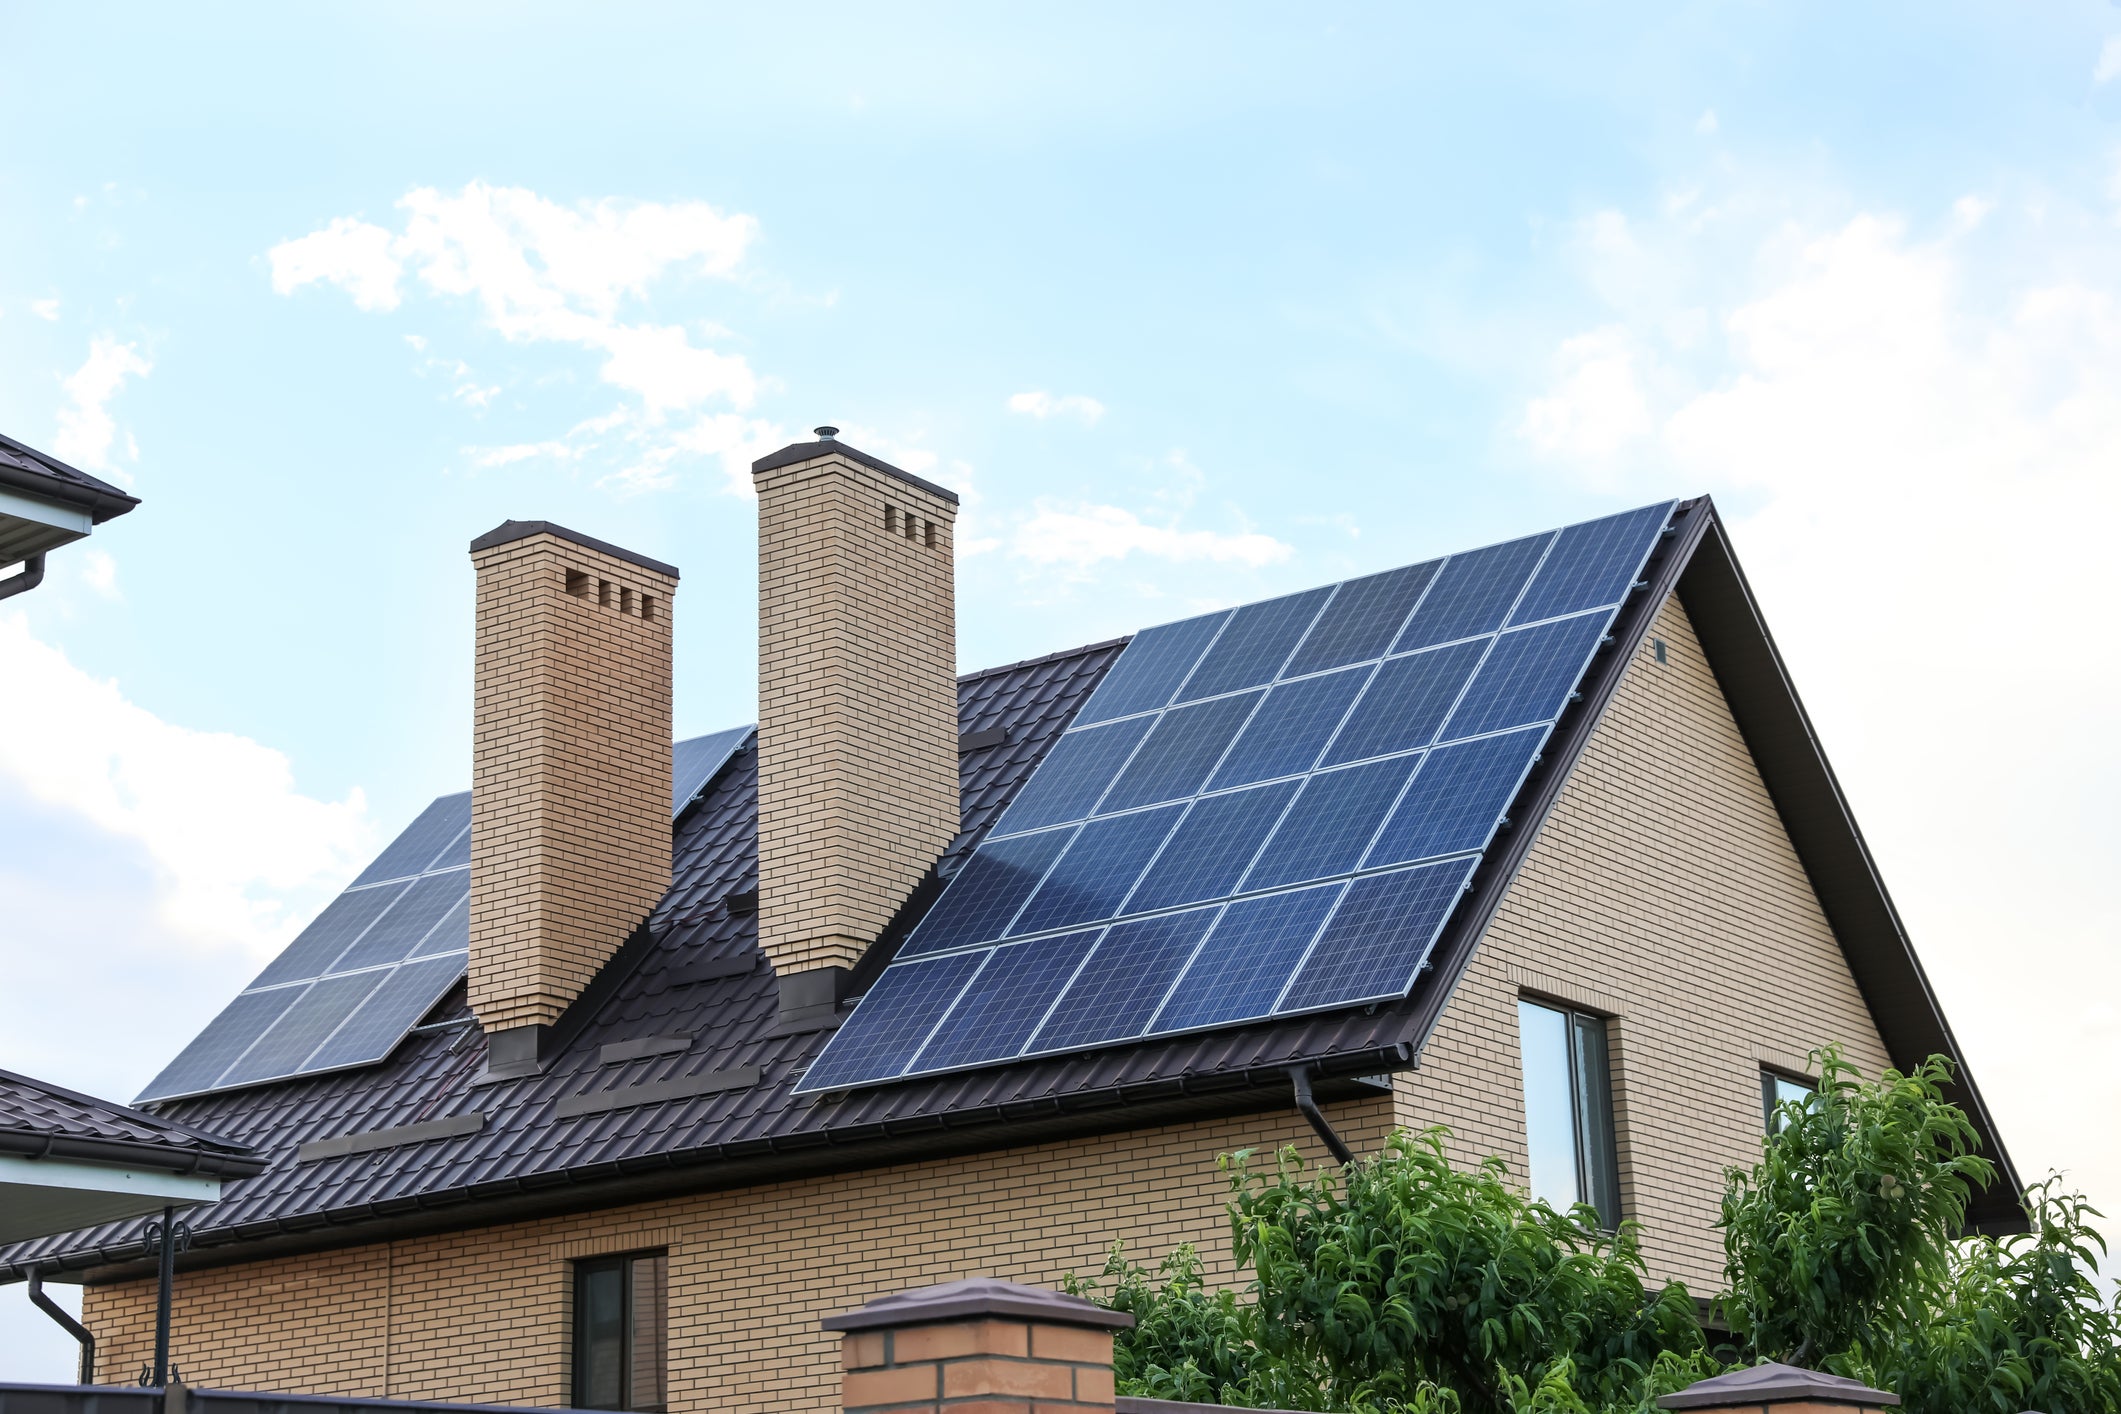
pixel 1300 1082
pixel 32 575
pixel 165 1279
pixel 73 1327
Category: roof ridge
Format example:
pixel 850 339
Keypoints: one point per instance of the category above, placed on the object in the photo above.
pixel 1087 648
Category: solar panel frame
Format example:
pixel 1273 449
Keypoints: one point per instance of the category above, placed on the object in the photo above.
pixel 1156 914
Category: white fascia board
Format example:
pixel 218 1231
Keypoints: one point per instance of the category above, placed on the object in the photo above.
pixel 13 503
pixel 173 1188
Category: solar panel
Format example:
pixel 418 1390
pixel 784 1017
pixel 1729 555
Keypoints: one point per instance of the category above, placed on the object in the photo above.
pixel 380 955
pixel 696 761
pixel 1260 812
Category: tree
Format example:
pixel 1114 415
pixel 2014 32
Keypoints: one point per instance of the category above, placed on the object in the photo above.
pixel 1403 1284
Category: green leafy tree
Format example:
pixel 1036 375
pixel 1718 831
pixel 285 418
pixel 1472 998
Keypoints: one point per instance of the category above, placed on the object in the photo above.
pixel 1401 1285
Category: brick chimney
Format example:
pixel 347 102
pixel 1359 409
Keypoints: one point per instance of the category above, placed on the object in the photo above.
pixel 570 780
pixel 858 790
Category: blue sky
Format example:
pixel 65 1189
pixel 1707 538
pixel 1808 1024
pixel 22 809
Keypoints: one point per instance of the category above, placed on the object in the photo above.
pixel 1194 305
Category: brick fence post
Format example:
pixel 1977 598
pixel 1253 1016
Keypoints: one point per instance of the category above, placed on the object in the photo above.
pixel 978 1347
pixel 1777 1389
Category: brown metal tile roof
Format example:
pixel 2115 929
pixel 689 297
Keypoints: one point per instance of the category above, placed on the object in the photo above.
pixel 43 1120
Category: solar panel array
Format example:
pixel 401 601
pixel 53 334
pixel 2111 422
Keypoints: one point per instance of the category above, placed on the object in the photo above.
pixel 379 956
pixel 1260 812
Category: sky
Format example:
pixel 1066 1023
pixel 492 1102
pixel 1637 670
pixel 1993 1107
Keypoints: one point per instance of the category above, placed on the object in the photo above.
pixel 1192 304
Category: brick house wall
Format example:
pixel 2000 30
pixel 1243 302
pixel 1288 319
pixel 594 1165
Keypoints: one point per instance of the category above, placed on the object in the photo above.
pixel 1663 891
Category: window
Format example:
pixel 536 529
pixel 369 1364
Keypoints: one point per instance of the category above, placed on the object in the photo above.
pixel 1568 1108
pixel 618 1332
pixel 1777 1090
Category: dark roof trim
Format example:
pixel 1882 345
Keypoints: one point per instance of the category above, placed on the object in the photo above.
pixel 64 484
pixel 512 530
pixel 720 1167
pixel 685 1087
pixel 186 1151
pixel 796 452
pixel 1774 1383
pixel 1831 846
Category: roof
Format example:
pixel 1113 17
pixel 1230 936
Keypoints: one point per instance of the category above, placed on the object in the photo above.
pixel 696 1088
pixel 1774 1383
pixel 42 1120
pixel 33 473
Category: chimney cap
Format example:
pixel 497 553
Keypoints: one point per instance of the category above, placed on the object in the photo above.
pixel 509 530
pixel 826 434
pixel 796 452
pixel 980 1296
pixel 1774 1383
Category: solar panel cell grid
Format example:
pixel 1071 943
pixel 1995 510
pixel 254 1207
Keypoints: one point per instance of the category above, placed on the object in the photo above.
pixel 1332 822
pixel 1473 593
pixel 227 1036
pixel 303 1027
pixel 987 892
pixel 1590 565
pixel 1210 850
pixel 1254 645
pixel 427 836
pixel 394 936
pixel 1180 752
pixel 1101 865
pixel 1074 774
pixel 1286 732
pixel 899 1010
pixel 1157 660
pixel 1526 677
pixel 1424 747
pixel 1378 938
pixel 1246 961
pixel 1124 981
pixel 997 1014
pixel 374 1030
pixel 1406 702
pixel 338 927
pixel 1362 620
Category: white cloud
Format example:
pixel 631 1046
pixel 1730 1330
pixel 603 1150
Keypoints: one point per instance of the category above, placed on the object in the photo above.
pixel 1916 448
pixel 86 428
pixel 1080 535
pixel 2109 65
pixel 1044 405
pixel 240 853
pixel 1706 124
pixel 540 272
pixel 1597 407
pixel 100 573
pixel 355 256
pixel 45 308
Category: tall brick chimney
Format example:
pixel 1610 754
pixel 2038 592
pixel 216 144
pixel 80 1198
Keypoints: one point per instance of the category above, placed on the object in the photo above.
pixel 570 778
pixel 858 790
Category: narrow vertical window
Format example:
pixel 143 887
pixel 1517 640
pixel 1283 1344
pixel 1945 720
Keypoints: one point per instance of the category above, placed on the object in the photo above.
pixel 1776 1091
pixel 1568 1109
pixel 620 1343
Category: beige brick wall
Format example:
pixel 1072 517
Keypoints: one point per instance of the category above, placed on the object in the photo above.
pixel 1663 891
pixel 570 793
pixel 858 787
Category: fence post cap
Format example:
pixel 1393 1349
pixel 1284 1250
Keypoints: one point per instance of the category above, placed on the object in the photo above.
pixel 976 1297
pixel 1773 1384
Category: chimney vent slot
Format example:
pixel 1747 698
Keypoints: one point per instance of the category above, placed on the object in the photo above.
pixel 577 583
pixel 604 593
pixel 928 533
pixel 890 520
pixel 648 608
pixel 625 600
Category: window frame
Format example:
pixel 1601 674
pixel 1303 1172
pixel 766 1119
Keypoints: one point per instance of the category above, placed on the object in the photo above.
pixel 1594 1126
pixel 625 1264
pixel 1771 1101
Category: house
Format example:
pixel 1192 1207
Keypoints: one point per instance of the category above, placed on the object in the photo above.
pixel 44 504
pixel 569 1100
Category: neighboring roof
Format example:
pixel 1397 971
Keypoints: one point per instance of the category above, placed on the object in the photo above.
pixel 46 1121
pixel 810 451
pixel 1773 1383
pixel 31 472
pixel 715 1108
